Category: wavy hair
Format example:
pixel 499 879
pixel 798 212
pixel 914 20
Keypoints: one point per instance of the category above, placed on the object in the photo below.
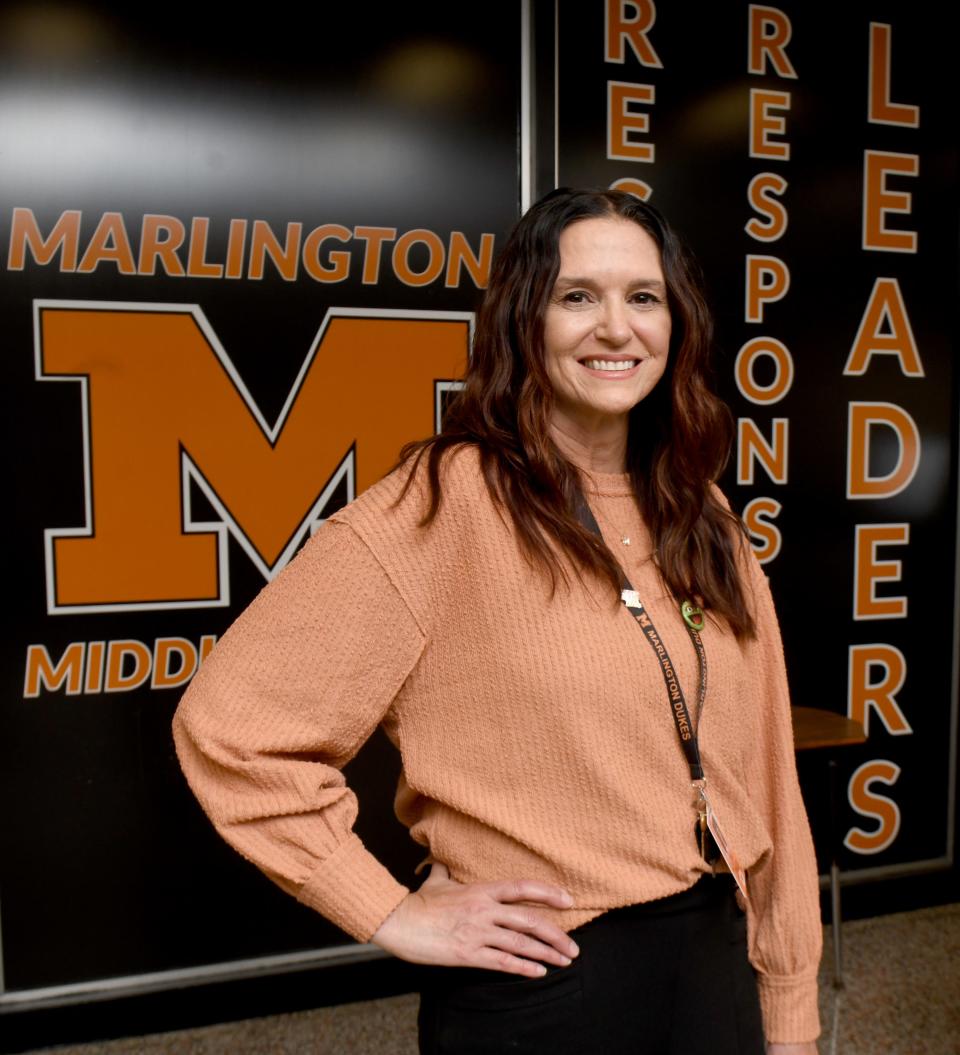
pixel 677 444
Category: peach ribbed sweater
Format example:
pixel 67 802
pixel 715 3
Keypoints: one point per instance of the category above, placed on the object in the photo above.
pixel 535 734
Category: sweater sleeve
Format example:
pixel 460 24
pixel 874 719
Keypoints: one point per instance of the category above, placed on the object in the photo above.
pixel 784 904
pixel 282 703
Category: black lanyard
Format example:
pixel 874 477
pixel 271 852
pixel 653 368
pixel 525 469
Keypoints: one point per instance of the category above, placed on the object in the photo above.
pixel 693 619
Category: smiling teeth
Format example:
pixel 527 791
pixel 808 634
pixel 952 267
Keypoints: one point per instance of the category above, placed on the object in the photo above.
pixel 610 364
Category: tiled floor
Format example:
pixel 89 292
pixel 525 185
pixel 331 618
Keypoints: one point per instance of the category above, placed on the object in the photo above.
pixel 902 998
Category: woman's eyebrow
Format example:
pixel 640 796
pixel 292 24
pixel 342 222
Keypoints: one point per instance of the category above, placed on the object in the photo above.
pixel 569 281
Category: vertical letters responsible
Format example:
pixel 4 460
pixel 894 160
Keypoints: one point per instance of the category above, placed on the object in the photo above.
pixel 764 124
pixel 758 517
pixel 623 122
pixel 752 446
pixel 629 22
pixel 768 35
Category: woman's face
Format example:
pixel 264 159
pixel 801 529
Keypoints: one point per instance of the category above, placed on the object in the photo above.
pixel 607 325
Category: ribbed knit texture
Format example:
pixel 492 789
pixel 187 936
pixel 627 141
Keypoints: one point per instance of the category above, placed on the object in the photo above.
pixel 535 732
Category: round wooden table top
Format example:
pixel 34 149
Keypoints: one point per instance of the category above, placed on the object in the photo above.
pixel 813 727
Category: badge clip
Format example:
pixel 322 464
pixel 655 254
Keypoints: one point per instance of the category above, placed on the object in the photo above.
pixel 631 599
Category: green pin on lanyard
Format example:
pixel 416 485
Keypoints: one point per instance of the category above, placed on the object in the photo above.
pixel 692 615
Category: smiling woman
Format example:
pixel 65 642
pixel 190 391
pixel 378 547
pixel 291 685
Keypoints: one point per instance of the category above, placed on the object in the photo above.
pixel 586 273
pixel 565 778
pixel 606 336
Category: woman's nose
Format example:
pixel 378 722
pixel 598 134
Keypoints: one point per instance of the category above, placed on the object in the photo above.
pixel 613 325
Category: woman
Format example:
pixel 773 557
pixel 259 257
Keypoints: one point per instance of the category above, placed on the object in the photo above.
pixel 552 759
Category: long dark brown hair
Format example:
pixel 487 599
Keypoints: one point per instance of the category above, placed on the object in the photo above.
pixel 678 440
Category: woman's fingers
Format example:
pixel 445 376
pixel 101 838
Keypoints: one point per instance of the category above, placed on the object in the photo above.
pixel 491 959
pixel 478 925
pixel 559 952
pixel 509 890
pixel 552 944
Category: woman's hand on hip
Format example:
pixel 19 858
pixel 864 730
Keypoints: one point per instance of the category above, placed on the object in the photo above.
pixel 478 925
pixel 807 1048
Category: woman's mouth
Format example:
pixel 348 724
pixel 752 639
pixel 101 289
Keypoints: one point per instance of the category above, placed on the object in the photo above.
pixel 610 366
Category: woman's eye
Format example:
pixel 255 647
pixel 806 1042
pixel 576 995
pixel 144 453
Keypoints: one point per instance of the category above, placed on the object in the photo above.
pixel 575 296
pixel 645 298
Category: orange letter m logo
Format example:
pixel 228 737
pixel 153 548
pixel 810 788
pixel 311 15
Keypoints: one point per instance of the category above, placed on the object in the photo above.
pixel 163 405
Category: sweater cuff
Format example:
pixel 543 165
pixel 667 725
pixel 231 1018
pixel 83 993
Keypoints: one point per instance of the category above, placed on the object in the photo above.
pixel 789 1006
pixel 353 890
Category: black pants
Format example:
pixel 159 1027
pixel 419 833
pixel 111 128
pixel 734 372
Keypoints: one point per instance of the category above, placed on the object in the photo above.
pixel 666 978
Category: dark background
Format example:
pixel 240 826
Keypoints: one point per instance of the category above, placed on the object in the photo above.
pixel 408 117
